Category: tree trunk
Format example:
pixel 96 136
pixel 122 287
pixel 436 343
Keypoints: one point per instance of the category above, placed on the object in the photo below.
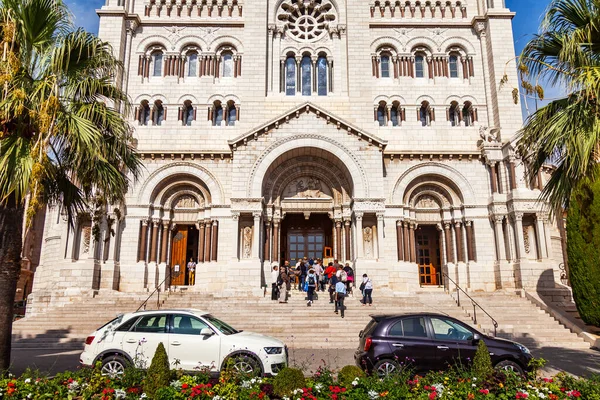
pixel 11 231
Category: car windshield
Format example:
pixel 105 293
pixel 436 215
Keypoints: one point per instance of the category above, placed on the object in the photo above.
pixel 220 325
pixel 112 323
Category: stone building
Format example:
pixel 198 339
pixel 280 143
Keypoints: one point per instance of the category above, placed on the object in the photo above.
pixel 375 133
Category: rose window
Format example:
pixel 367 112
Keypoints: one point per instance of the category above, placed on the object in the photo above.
pixel 307 22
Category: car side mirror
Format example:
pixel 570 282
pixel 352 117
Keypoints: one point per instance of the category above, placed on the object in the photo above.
pixel 476 338
pixel 206 332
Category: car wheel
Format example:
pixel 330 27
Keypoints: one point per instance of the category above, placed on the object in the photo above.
pixel 384 368
pixel 113 366
pixel 508 365
pixel 246 365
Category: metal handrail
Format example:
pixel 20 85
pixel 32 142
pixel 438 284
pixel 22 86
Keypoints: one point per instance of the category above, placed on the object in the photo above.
pixel 473 302
pixel 156 290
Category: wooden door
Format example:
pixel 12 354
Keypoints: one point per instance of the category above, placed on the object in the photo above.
pixel 303 243
pixel 178 253
pixel 428 256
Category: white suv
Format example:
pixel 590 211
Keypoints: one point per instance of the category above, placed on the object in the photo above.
pixel 193 340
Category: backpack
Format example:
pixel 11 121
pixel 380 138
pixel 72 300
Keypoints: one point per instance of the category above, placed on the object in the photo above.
pixel 344 276
pixel 311 281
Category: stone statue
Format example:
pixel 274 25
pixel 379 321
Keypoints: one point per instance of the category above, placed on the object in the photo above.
pixel 186 202
pixel 247 243
pixel 368 241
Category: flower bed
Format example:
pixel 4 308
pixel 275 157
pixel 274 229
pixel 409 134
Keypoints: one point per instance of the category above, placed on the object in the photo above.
pixel 453 384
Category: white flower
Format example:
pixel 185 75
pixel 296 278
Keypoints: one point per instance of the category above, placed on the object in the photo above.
pixel 318 387
pixel 143 396
pixel 373 394
pixel 439 388
pixel 73 386
pixel 474 379
pixel 246 384
pixel 176 385
pixel 217 397
pixel 297 391
pixel 28 380
pixel 541 395
pixel 120 394
pixel 355 382
pixel 474 385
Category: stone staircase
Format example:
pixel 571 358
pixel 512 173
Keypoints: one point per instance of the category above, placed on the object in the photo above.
pixel 299 326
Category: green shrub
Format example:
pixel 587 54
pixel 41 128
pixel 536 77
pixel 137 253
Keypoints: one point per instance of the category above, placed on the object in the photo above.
pixel 583 250
pixel 158 374
pixel 482 362
pixel 348 374
pixel 287 380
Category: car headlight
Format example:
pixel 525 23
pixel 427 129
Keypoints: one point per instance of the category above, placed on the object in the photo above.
pixel 522 348
pixel 273 350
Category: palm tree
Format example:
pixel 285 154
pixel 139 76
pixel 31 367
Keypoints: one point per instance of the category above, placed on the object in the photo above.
pixel 566 131
pixel 63 140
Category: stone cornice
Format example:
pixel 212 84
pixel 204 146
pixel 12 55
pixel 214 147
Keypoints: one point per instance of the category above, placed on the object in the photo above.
pixel 307 108
pixel 434 156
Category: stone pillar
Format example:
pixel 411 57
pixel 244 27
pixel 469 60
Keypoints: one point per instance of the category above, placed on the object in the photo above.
pixel 406 241
pixel 518 219
pixel 275 256
pixel 142 241
pixel 267 252
pixel 348 241
pixel 513 175
pixel 256 234
pixel 380 243
pixel 449 249
pixel 540 237
pixel 154 245
pixel 493 177
pixel 412 244
pixel 338 240
pixel 164 238
pixel 207 234
pixel 201 241
pixel 459 242
pixel 500 248
pixel 215 240
pixel 359 236
pixel 470 242
pixel 400 240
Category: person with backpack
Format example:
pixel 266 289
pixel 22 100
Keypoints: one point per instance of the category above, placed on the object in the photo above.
pixel 340 294
pixel 366 288
pixel 311 280
pixel 301 271
pixel 350 280
pixel 341 275
pixel 332 279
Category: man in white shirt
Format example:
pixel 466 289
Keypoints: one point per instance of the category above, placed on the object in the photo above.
pixel 340 294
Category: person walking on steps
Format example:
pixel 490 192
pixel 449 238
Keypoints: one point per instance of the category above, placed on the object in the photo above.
pixel 366 288
pixel 340 294
pixel 274 282
pixel 311 280
pixel 284 284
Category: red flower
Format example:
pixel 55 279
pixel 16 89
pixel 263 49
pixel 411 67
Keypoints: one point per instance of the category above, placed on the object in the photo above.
pixel 484 391
pixel 432 395
pixel 574 393
pixel 185 386
pixel 521 395
pixel 11 384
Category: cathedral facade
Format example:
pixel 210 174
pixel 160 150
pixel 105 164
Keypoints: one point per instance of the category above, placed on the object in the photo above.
pixel 376 133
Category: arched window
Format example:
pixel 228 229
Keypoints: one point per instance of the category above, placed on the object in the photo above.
pixel 382 114
pixel 158 113
pixel 306 68
pixel 395 114
pixel 188 113
pixel 192 61
pixel 144 113
pixel 469 114
pixel 426 114
pixel 157 61
pixel 453 65
pixel 217 113
pixel 454 114
pixel 227 61
pixel 290 76
pixel 385 66
pixel 419 66
pixel 322 76
pixel 231 113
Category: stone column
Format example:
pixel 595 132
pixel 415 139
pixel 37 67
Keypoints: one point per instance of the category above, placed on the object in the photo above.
pixel 500 248
pixel 380 243
pixel 275 256
pixel 513 174
pixel 256 234
pixel 520 242
pixel 359 235
pixel 215 240
pixel 459 242
pixel 164 238
pixel 154 245
pixel 399 240
pixel 207 234
pixel 540 237
pixel 449 249
pixel 493 177
pixel 267 252
pixel 142 241
pixel 470 243
pixel 201 241
pixel 406 241
pixel 412 243
pixel 338 240
pixel 348 241
pixel 443 259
